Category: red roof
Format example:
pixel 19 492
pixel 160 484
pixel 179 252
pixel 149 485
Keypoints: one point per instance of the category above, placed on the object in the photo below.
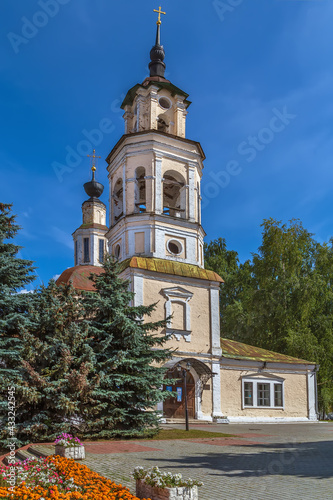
pixel 79 275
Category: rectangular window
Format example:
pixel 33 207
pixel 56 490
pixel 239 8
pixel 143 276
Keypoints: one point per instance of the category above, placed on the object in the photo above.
pixel 101 251
pixel 264 398
pixel 262 393
pixel 86 250
pixel 248 393
pixel 278 398
pixel 139 242
pixel 75 258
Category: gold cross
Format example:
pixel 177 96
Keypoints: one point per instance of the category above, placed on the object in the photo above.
pixel 159 12
pixel 93 161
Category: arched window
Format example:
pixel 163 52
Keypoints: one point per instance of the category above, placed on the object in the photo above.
pixel 117 251
pixel 174 194
pixel 140 190
pixel 162 124
pixel 118 208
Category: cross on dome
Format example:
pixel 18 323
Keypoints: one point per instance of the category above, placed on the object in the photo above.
pixel 159 12
pixel 93 161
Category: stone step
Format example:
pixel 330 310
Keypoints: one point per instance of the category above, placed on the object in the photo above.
pixel 23 455
pixel 20 456
pixel 41 450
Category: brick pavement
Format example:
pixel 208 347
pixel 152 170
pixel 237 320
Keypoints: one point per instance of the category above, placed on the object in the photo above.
pixel 286 461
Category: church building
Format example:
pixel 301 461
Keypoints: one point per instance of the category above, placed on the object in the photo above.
pixel 154 230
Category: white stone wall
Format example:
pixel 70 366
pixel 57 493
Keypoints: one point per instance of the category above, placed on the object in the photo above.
pixel 144 490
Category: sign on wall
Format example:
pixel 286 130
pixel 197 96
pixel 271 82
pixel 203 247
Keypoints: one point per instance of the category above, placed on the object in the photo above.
pixel 179 394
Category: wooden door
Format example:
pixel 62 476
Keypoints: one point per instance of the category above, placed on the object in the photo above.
pixel 174 407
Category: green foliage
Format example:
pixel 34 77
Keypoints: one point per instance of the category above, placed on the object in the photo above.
pixel 15 274
pixel 128 355
pixel 282 299
pixel 58 366
pixel 89 364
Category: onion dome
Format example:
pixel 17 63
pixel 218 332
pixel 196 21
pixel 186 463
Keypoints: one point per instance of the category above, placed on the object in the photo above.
pixel 93 188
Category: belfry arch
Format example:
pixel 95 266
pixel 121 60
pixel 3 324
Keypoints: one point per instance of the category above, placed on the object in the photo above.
pixel 174 194
pixel 140 190
pixel 118 199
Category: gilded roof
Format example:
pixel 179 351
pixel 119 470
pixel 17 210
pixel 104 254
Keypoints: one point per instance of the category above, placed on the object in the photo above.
pixel 238 350
pixel 79 275
pixel 171 267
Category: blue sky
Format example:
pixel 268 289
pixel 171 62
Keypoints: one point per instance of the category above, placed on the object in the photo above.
pixel 259 74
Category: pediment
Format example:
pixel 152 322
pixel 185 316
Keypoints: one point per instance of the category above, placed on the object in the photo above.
pixel 176 292
pixel 263 376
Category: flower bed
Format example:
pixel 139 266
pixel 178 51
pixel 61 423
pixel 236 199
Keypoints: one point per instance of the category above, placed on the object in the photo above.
pixel 60 478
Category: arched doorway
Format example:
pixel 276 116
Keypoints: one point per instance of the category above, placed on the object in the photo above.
pixel 174 407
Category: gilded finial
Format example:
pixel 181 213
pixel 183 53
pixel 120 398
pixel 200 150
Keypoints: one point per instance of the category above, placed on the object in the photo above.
pixel 159 12
pixel 93 161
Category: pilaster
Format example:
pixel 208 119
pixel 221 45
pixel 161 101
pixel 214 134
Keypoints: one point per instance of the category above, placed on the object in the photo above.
pixel 191 192
pixel 158 184
pixel 216 393
pixel 215 322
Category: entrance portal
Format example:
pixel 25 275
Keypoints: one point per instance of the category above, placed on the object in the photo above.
pixel 175 407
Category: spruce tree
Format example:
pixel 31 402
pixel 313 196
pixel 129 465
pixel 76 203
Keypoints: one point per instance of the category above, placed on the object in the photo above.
pixel 129 358
pixel 15 274
pixel 58 366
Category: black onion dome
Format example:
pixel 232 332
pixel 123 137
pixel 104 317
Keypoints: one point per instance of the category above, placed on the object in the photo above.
pixel 93 188
pixel 157 55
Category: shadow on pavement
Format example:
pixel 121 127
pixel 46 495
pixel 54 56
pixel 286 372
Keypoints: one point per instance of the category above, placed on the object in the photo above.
pixel 310 459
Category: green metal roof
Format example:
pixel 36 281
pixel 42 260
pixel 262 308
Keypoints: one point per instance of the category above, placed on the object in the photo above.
pixel 237 350
pixel 162 85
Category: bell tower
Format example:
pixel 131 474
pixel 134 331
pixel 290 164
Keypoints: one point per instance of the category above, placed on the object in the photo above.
pixel 89 238
pixel 155 173
pixel 155 230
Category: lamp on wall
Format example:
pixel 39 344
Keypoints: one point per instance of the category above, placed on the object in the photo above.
pixel 183 371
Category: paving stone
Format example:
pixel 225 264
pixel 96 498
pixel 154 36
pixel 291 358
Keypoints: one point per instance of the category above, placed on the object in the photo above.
pixel 287 461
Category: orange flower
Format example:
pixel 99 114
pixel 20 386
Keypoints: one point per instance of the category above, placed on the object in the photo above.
pixel 93 485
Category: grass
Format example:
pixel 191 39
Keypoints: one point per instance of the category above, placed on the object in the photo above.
pixel 167 434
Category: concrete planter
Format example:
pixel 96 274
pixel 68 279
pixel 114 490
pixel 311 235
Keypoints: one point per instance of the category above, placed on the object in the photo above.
pixel 144 490
pixel 76 452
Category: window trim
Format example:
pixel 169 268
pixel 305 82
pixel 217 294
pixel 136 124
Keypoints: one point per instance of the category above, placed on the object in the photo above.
pixel 267 379
pixel 175 242
pixel 76 252
pixel 166 99
pixel 101 250
pixel 86 250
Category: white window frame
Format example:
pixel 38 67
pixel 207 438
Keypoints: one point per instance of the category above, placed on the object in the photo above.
pixel 182 296
pixel 267 379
